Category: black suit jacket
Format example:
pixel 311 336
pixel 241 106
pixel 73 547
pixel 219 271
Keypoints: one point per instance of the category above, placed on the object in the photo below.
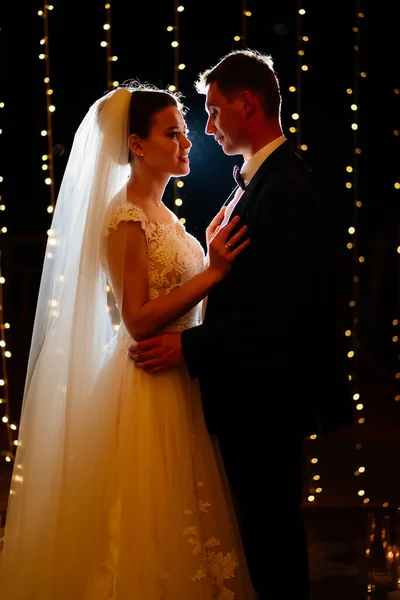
pixel 270 353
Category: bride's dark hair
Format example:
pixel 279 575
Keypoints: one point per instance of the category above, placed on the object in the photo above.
pixel 146 101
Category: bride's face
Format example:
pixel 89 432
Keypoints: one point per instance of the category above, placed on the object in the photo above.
pixel 167 147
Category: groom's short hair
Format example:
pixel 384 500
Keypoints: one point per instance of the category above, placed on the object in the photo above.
pixel 245 69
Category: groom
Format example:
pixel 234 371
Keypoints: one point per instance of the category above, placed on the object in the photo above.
pixel 267 355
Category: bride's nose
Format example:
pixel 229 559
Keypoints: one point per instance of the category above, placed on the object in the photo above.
pixel 186 143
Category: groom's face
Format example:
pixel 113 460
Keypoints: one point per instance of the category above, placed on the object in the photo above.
pixel 224 119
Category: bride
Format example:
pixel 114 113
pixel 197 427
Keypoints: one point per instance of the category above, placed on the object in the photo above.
pixel 118 492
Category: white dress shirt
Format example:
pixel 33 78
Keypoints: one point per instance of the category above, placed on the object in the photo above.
pixel 249 168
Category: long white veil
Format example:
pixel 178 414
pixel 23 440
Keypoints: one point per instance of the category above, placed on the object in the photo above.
pixel 61 443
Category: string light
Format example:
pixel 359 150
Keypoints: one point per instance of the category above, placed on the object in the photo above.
pixel 5 353
pixel 110 58
pixel 246 13
pixel 174 87
pixel 302 68
pixel 396 190
pixel 352 171
pixel 314 486
pixel 48 159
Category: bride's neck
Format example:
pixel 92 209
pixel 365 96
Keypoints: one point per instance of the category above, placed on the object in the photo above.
pixel 148 189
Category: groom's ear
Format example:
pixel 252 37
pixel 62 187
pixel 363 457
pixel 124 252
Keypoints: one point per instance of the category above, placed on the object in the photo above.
pixel 248 101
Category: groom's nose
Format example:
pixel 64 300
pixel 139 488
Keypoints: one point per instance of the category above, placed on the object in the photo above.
pixel 210 127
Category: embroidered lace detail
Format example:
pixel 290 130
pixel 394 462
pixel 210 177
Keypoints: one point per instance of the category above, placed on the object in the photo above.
pixel 219 567
pixel 174 256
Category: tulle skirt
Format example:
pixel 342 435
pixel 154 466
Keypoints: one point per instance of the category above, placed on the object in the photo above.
pixel 143 510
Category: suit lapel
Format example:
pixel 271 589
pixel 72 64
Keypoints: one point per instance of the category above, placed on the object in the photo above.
pixel 230 197
pixel 271 163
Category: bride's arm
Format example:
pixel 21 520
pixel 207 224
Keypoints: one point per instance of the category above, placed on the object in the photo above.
pixel 127 257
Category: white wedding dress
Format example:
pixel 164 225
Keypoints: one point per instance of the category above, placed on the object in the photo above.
pixel 169 529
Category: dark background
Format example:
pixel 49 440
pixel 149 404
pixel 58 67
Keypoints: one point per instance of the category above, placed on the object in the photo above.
pixel 206 30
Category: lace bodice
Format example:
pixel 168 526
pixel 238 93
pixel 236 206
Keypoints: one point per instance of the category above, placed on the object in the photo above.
pixel 173 257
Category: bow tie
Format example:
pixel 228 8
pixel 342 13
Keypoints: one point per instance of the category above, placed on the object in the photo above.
pixel 238 177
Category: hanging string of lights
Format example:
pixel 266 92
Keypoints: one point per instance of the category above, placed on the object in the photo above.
pixel 8 453
pixel 174 87
pixel 110 58
pixel 396 187
pixel 314 486
pixel 48 159
pixel 243 36
pixel 352 184
pixel 302 67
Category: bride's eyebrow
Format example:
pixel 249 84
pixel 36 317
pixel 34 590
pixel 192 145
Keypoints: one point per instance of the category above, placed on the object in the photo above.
pixel 177 128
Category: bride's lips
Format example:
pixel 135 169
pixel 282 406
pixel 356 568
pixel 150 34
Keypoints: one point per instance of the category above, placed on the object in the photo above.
pixel 184 158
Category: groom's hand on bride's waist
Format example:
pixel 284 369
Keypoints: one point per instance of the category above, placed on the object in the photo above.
pixel 158 353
